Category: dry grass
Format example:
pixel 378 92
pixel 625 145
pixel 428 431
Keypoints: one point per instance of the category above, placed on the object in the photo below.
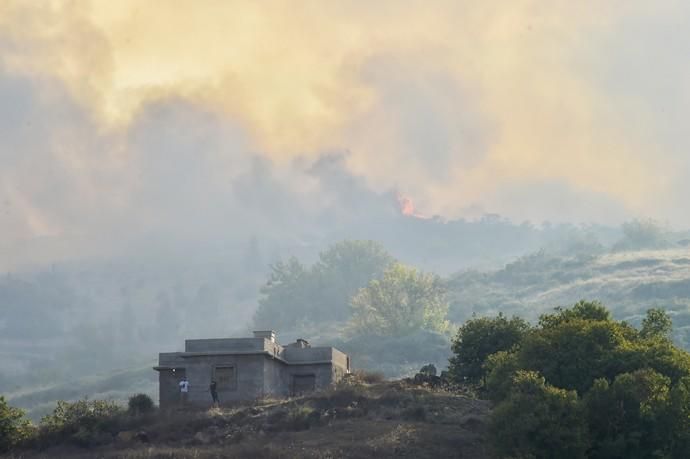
pixel 356 419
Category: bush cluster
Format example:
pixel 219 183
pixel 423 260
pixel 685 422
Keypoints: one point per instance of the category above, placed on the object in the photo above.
pixel 580 384
pixel 84 423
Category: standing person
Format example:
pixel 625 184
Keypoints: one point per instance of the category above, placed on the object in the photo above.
pixel 214 392
pixel 184 390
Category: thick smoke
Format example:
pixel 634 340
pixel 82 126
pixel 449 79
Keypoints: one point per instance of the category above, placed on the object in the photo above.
pixel 178 175
pixel 469 109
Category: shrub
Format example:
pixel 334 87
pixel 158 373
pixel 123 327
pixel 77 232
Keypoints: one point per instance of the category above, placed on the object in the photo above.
pixel 140 404
pixel 82 422
pixel 538 420
pixel 500 368
pixel 14 427
pixel 302 418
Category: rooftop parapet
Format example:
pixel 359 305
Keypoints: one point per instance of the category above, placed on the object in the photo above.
pixel 224 345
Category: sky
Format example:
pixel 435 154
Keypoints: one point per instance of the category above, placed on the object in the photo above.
pixel 129 118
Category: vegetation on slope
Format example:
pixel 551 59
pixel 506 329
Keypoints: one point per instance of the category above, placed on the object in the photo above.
pixel 114 386
pixel 629 282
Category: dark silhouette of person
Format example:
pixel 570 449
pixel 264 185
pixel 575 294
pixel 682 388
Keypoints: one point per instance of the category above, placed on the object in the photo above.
pixel 214 392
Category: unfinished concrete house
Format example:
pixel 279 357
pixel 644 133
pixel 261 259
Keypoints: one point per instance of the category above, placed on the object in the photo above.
pixel 247 369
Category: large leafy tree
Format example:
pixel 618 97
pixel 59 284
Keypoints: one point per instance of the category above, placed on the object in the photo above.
pixel 343 269
pixel 403 301
pixel 480 337
pixel 286 297
pixel 295 293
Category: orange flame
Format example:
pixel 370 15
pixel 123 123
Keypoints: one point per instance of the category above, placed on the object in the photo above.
pixel 407 207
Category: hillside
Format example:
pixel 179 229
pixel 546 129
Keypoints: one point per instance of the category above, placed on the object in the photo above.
pixel 116 385
pixel 386 419
pixel 629 283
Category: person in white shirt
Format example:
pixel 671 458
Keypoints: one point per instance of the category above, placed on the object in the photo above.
pixel 184 389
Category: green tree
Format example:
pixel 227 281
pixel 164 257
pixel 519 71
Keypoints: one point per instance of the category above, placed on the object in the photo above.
pixel 342 270
pixel 14 427
pixel 286 296
pixel 656 324
pixel 295 292
pixel 572 354
pixel 630 418
pixel 480 337
pixel 403 301
pixel 679 414
pixel 539 421
pixel 658 354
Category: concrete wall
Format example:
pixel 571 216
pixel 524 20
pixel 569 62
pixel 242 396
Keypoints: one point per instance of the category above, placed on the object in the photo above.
pixel 269 372
pixel 278 376
pixel 168 389
pixel 249 374
pixel 340 359
pixel 323 374
pixel 275 378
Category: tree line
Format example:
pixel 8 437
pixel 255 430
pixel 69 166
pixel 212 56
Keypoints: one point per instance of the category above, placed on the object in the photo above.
pixel 357 283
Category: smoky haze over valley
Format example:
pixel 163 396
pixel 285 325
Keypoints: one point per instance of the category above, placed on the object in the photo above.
pixel 158 163
pixel 149 131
